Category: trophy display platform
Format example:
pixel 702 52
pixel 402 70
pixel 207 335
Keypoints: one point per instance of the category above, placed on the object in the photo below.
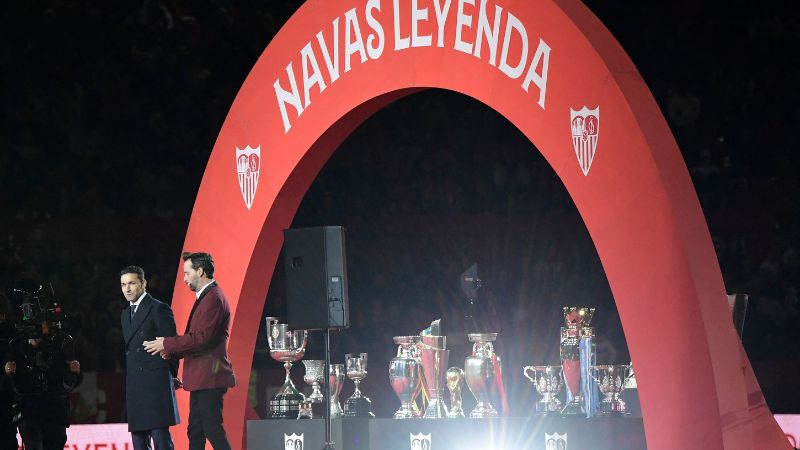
pixel 619 433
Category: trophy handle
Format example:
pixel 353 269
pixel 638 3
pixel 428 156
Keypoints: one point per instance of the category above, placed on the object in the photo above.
pixel 525 372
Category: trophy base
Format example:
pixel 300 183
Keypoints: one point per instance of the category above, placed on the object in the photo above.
pixel 358 407
pixel 455 414
pixel 306 410
pixel 574 408
pixel 335 409
pixel 285 406
pixel 405 412
pixel 435 410
pixel 545 409
pixel 612 409
pixel 483 410
pixel 316 395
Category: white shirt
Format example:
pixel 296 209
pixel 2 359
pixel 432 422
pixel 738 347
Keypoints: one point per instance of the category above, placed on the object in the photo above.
pixel 138 300
pixel 197 295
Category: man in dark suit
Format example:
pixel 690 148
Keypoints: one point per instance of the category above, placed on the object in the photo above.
pixel 150 392
pixel 207 371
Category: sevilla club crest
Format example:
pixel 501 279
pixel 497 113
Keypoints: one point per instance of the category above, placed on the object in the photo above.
pixel 585 129
pixel 293 441
pixel 420 441
pixel 555 441
pixel 248 165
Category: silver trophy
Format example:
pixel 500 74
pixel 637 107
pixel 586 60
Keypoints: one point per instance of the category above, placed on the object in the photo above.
pixel 611 380
pixel 434 358
pixel 357 405
pixel 336 380
pixel 404 374
pixel 455 384
pixel 548 382
pixel 313 377
pixel 480 374
pixel 287 347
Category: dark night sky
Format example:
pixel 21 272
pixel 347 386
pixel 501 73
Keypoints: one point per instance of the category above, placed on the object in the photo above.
pixel 108 114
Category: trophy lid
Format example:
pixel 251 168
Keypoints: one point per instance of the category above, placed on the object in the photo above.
pixel 400 340
pixel 436 342
pixel 435 329
pixel 482 337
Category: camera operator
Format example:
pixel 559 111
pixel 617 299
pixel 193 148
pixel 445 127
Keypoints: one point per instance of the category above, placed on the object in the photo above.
pixel 8 429
pixel 43 371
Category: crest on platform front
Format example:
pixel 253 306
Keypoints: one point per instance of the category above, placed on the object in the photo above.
pixel 292 441
pixel 585 131
pixel 248 166
pixel 555 441
pixel 420 441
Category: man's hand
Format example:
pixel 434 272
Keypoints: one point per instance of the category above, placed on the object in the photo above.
pixel 154 347
pixel 11 368
pixel 177 383
pixel 75 367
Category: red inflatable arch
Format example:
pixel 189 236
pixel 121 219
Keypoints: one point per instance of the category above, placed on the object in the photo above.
pixel 553 70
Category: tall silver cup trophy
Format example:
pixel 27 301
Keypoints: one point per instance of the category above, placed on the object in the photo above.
pixel 287 347
pixel 404 375
pixel 358 405
pixel 479 372
pixel 315 372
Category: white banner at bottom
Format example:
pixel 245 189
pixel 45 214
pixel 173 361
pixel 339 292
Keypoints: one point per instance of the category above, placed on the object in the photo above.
pixel 108 436
pixel 115 436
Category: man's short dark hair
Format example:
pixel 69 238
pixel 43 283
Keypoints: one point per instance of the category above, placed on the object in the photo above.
pixel 201 260
pixel 133 269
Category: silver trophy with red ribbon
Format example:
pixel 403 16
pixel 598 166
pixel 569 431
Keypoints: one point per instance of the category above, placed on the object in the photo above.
pixel 577 356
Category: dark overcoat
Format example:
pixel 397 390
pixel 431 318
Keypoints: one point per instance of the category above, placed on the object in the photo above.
pixel 149 387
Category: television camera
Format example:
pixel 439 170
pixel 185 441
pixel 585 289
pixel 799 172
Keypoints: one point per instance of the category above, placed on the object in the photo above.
pixel 40 346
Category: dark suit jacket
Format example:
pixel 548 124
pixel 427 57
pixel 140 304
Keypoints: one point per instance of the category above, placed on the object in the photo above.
pixel 150 394
pixel 204 345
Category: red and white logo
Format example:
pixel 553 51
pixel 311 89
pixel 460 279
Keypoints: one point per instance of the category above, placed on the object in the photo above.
pixel 248 165
pixel 585 130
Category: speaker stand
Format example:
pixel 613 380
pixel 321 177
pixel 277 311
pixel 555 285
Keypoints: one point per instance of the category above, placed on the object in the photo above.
pixel 327 400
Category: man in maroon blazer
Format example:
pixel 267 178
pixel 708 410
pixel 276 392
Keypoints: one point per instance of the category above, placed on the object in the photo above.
pixel 207 371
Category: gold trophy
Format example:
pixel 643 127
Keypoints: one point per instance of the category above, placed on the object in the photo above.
pixel 455 383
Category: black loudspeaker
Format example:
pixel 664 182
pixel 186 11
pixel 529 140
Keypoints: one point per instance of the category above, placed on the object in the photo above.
pixel 316 278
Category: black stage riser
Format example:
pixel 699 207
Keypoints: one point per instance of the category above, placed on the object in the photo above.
pixel 450 434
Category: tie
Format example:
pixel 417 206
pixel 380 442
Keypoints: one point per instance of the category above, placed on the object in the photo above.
pixel 133 311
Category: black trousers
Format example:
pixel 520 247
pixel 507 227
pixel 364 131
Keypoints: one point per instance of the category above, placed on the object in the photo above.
pixel 205 420
pixel 39 435
pixel 160 438
pixel 8 434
